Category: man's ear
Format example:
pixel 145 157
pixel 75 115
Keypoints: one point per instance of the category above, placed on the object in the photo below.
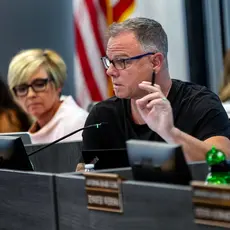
pixel 157 61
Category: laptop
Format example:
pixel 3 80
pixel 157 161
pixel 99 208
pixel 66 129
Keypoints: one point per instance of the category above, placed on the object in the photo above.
pixel 106 158
pixel 158 162
pixel 25 136
pixel 13 154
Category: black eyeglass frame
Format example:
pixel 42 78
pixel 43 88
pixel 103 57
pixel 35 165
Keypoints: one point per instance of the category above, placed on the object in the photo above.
pixel 27 86
pixel 123 60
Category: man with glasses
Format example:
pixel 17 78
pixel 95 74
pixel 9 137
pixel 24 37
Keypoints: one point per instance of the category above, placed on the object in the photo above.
pixel 148 104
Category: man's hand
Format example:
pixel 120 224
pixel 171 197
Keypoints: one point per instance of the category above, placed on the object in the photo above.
pixel 156 111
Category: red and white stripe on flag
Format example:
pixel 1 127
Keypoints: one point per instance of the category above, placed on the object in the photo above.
pixel 91 19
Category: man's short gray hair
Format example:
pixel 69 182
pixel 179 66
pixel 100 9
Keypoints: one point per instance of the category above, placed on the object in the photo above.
pixel 148 32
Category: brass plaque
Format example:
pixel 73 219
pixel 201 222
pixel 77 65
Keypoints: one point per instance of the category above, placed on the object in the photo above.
pixel 104 192
pixel 211 204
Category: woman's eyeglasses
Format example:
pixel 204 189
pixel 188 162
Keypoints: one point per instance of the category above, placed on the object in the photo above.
pixel 38 85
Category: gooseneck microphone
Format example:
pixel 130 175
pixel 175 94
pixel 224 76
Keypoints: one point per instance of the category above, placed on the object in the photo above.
pixel 68 135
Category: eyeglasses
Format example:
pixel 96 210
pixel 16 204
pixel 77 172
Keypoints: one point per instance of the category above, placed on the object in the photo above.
pixel 121 63
pixel 38 85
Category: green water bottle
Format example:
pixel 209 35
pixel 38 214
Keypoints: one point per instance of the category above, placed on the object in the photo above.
pixel 218 167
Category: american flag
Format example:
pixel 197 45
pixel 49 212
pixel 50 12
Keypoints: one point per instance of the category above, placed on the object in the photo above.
pixel 91 19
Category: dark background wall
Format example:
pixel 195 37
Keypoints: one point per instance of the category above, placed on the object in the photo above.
pixel 43 24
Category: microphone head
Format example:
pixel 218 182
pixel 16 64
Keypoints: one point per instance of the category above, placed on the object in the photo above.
pixel 100 124
pixel 103 123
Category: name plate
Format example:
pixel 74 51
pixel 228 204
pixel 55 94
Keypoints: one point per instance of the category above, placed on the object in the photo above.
pixel 104 192
pixel 211 204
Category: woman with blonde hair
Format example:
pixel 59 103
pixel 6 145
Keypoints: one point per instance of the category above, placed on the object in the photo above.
pixel 224 92
pixel 36 78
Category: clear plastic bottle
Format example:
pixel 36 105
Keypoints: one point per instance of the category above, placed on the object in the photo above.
pixel 89 167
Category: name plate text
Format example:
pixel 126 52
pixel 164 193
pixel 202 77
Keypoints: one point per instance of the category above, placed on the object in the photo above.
pixel 211 204
pixel 104 192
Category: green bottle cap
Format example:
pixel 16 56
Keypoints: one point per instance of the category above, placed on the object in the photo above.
pixel 215 156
